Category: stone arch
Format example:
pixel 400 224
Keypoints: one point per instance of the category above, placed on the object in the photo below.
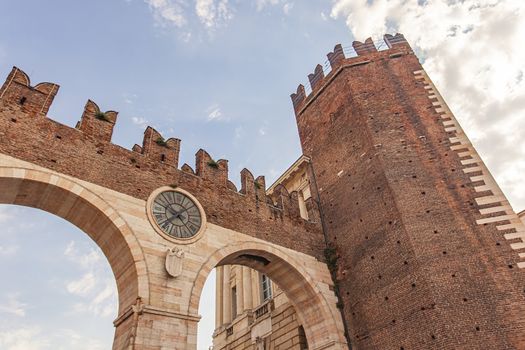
pixel 75 203
pixel 310 295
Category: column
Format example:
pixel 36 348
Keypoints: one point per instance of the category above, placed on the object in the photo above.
pixel 226 296
pixel 218 296
pixel 256 295
pixel 247 288
pixel 240 288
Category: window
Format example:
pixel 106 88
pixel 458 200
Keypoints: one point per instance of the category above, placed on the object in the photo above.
pixel 266 288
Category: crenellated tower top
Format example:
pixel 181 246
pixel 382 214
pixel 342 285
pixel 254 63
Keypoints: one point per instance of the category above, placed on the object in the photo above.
pixel 359 55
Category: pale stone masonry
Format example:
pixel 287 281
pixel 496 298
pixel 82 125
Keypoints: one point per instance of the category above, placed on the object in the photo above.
pixel 156 310
pixel 252 316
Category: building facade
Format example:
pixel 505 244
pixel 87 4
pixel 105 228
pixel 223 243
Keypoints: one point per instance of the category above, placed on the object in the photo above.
pixel 388 233
pixel 253 313
pixel 250 310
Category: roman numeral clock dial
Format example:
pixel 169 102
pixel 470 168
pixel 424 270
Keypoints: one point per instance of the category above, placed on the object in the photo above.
pixel 175 213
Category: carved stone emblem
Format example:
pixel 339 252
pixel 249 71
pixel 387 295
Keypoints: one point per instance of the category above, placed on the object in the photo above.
pixel 174 259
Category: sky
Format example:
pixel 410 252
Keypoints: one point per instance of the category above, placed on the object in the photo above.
pixel 218 74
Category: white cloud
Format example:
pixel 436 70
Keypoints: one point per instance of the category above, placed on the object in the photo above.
pixel 212 13
pixel 22 339
pixel 83 285
pixel 186 36
pixel 129 98
pixel 8 250
pixel 263 130
pixel 13 306
pixel 100 302
pixel 168 12
pixel 87 260
pixel 142 122
pixel 97 297
pixel 472 52
pixel 262 4
pixel 287 7
pixel 238 133
pixel 36 338
pixel 215 114
pixel 177 13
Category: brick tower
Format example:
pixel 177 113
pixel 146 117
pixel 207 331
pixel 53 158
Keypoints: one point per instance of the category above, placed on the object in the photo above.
pixel 426 243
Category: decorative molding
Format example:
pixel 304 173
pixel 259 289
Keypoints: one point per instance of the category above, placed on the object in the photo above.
pixel 174 260
pixel 474 164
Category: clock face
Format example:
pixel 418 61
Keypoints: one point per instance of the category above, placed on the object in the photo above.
pixel 176 214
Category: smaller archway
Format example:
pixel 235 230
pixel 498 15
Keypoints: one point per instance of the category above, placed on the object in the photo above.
pixel 305 286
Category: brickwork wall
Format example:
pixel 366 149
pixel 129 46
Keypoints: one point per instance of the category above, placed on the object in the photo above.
pixel 415 269
pixel 85 152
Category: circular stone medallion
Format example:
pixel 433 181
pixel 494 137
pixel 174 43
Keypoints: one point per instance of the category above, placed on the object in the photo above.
pixel 175 213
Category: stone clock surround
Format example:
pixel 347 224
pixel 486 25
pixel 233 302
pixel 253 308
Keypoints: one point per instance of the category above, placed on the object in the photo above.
pixel 156 310
pixel 149 212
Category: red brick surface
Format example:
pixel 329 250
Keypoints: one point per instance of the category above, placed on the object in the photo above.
pixel 86 153
pixel 415 270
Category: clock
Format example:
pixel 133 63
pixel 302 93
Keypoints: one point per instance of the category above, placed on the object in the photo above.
pixel 175 213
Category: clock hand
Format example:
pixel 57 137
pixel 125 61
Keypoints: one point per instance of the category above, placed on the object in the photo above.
pixel 174 212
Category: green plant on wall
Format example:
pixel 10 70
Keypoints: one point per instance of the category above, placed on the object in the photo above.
pixel 213 164
pixel 161 142
pixel 330 254
pixel 102 116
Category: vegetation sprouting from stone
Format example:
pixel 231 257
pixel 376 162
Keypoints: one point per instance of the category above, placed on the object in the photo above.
pixel 330 254
pixel 161 142
pixel 102 116
pixel 213 164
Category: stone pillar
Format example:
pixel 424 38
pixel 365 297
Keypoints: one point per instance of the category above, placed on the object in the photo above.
pixel 247 288
pixel 255 288
pixel 302 206
pixel 226 295
pixel 240 289
pixel 144 326
pixel 218 296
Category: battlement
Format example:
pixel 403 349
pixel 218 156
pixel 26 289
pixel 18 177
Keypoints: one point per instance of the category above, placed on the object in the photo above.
pixel 35 100
pixel 86 152
pixel 361 53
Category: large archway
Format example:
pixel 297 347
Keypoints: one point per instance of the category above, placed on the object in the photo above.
pixel 71 201
pixel 301 282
